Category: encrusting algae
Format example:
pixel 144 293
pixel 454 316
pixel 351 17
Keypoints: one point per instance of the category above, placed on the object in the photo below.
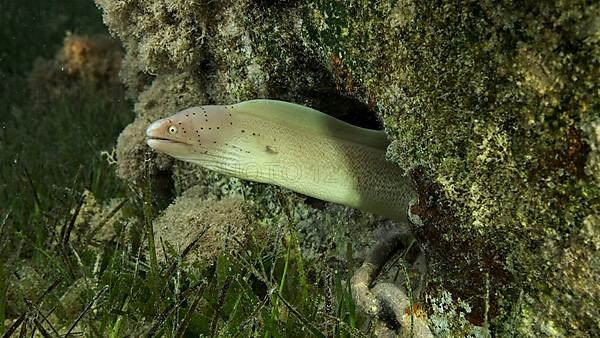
pixel 208 226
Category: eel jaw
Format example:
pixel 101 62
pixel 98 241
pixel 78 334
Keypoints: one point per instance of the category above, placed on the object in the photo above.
pixel 174 148
pixel 155 140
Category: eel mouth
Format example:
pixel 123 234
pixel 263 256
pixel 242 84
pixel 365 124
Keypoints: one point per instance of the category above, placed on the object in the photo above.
pixel 160 143
pixel 163 139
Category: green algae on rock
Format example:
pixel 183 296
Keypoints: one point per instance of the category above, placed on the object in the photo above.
pixel 592 132
pixel 218 225
pixel 488 102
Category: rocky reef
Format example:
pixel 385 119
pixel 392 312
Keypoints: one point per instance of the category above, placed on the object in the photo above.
pixel 492 107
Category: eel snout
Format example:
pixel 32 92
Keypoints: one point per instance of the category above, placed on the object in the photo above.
pixel 166 136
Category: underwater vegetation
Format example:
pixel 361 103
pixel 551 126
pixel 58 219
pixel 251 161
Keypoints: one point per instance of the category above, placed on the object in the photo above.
pixel 50 144
pixel 492 108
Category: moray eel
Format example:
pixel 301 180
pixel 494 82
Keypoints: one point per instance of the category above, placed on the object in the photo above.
pixel 291 146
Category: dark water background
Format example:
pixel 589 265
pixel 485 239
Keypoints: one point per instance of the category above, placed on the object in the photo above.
pixel 53 128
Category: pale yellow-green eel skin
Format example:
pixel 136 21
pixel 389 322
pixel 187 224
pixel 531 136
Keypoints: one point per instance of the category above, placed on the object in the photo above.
pixel 291 146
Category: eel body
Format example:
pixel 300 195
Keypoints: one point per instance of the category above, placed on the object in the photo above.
pixel 291 146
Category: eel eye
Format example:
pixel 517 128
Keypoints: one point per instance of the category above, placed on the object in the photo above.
pixel 172 130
